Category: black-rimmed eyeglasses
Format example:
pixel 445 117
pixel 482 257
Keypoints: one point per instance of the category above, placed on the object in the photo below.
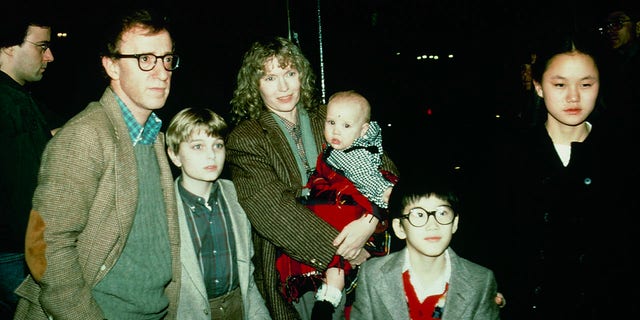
pixel 147 61
pixel 43 45
pixel 419 217
pixel 616 24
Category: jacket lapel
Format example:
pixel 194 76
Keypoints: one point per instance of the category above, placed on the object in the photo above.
pixel 190 266
pixel 391 288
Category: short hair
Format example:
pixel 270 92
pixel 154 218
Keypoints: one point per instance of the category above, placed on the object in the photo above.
pixel 354 97
pixel 190 120
pixel 14 25
pixel 410 188
pixel 247 102
pixel 154 21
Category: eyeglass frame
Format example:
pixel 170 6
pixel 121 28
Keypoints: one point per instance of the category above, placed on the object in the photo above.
pixel 44 46
pixel 137 56
pixel 429 214
pixel 616 25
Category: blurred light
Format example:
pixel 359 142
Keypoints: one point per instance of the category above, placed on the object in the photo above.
pixel 429 111
pixel 397 53
pixel 497 116
pixel 388 124
pixel 432 56
pixel 457 167
pixel 61 34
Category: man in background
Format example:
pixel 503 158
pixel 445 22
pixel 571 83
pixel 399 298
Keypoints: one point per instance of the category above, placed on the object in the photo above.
pixel 24 55
pixel 621 66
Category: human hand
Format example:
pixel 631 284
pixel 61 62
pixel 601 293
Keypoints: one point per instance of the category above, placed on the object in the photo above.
pixel 335 278
pixel 500 300
pixel 363 255
pixel 353 237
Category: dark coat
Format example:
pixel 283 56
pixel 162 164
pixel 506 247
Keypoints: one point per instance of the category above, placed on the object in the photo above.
pixel 568 245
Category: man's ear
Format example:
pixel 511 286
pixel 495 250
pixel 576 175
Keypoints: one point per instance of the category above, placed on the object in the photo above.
pixel 8 50
pixel 111 67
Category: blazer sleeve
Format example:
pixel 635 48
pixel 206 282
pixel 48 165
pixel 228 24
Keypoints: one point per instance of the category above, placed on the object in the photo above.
pixel 68 179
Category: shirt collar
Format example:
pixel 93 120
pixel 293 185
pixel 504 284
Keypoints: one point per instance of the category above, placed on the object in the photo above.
pixel 193 200
pixel 140 134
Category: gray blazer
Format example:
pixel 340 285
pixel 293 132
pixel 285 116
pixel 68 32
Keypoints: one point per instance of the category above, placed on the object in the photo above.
pixel 194 303
pixel 380 294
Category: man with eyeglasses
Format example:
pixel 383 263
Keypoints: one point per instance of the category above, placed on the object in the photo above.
pixel 24 132
pixel 426 279
pixel 620 88
pixel 103 234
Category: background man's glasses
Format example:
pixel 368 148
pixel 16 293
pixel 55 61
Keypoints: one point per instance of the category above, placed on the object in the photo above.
pixel 43 45
pixel 147 61
pixel 616 25
pixel 419 217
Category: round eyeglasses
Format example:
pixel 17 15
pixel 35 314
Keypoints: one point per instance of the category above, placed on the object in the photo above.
pixel 419 217
pixel 147 61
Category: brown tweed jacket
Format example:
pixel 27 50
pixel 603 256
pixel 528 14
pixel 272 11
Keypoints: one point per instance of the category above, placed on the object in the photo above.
pixel 267 179
pixel 83 209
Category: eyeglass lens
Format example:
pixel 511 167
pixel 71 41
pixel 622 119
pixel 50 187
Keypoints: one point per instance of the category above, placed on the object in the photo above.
pixel 419 217
pixel 43 46
pixel 616 24
pixel 148 61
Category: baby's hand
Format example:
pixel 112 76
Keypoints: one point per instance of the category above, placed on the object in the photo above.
pixel 335 278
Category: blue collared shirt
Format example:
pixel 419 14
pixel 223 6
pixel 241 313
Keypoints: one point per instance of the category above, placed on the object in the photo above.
pixel 139 134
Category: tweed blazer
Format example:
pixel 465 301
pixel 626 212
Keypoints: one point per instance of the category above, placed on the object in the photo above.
pixel 380 293
pixel 265 172
pixel 83 209
pixel 194 302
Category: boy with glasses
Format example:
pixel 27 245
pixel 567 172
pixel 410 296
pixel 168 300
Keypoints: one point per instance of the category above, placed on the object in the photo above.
pixel 426 279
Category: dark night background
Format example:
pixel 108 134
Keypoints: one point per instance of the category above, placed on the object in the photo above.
pixel 434 113
pixel 367 45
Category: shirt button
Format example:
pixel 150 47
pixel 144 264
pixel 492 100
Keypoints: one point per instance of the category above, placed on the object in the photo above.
pixel 103 267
